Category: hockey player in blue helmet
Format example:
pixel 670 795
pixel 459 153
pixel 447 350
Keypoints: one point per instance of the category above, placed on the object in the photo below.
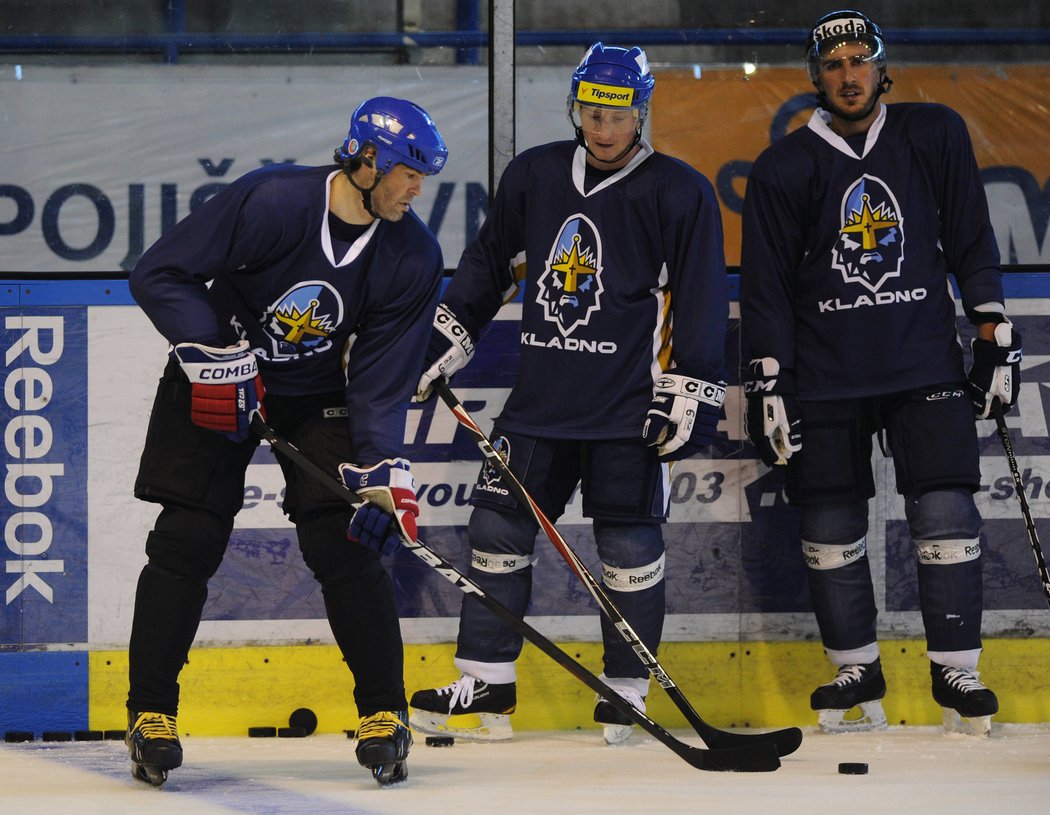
pixel 610 89
pixel 384 132
pixel 319 282
pixel 619 250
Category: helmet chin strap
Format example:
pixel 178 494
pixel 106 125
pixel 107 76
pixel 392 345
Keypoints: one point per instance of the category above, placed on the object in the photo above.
pixel 366 192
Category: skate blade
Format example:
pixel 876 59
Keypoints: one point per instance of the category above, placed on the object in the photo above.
pixel 389 774
pixel 979 726
pixel 147 773
pixel 871 717
pixel 616 734
pixel 491 727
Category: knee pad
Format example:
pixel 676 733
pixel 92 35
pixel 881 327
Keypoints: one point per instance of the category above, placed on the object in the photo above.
pixel 188 543
pixel 502 533
pixel 943 515
pixel 839 523
pixel 632 555
pixel 331 558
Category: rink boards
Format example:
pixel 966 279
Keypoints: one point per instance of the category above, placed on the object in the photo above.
pixel 81 363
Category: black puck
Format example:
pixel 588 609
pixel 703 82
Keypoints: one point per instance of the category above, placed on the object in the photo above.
pixel 304 718
pixel 262 732
pixel 291 733
pixel 351 734
pixel 853 768
pixel 440 741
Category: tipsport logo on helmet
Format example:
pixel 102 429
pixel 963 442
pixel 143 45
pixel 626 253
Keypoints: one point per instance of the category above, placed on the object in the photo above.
pixel 610 95
pixel 841 28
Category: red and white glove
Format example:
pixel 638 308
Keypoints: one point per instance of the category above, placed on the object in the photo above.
pixel 390 510
pixel 227 389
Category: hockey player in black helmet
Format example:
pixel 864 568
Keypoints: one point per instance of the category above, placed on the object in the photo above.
pixel 851 227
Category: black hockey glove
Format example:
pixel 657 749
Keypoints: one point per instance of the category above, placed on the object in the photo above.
pixel 772 415
pixel 451 347
pixel 683 416
pixel 995 375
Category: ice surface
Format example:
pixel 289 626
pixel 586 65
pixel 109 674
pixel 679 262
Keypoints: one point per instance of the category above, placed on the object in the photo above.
pixel 911 770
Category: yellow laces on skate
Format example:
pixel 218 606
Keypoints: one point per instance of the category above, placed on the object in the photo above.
pixel 381 725
pixel 156 726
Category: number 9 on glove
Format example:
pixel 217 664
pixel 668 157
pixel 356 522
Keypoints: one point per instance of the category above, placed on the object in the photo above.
pixel 683 416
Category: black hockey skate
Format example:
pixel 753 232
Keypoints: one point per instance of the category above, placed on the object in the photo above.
pixel 468 695
pixel 154 745
pixel 383 741
pixel 617 726
pixel 860 686
pixel 968 705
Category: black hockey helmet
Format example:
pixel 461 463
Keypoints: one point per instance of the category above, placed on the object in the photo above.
pixel 838 27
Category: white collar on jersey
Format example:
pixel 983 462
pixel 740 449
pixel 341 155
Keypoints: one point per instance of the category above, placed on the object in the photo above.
pixel 579 168
pixel 819 123
pixel 326 235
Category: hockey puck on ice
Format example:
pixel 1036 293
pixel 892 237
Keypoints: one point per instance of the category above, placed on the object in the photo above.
pixel 440 741
pixel 291 733
pixel 351 734
pixel 262 732
pixel 853 768
pixel 305 718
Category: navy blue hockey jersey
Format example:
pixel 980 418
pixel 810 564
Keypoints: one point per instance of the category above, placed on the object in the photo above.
pixel 845 257
pixel 303 302
pixel 620 283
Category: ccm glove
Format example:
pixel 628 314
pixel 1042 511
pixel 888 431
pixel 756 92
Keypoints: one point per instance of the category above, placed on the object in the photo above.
pixel 995 375
pixel 451 347
pixel 226 387
pixel 683 416
pixel 390 509
pixel 772 415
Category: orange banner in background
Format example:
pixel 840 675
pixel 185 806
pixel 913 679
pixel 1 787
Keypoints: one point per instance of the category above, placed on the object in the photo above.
pixel 722 121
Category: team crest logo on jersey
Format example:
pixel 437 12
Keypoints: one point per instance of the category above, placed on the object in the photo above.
pixel 570 287
pixel 490 475
pixel 870 247
pixel 302 320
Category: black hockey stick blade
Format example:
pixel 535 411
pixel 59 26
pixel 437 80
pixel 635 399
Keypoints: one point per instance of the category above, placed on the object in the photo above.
pixel 759 756
pixel 786 740
pixel 1026 512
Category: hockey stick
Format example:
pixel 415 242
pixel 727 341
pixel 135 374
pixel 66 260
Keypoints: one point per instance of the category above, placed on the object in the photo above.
pixel 786 741
pixel 1033 538
pixel 757 757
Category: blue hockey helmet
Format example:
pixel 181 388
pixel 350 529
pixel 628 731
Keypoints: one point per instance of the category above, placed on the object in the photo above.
pixel 401 132
pixel 837 28
pixel 610 76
